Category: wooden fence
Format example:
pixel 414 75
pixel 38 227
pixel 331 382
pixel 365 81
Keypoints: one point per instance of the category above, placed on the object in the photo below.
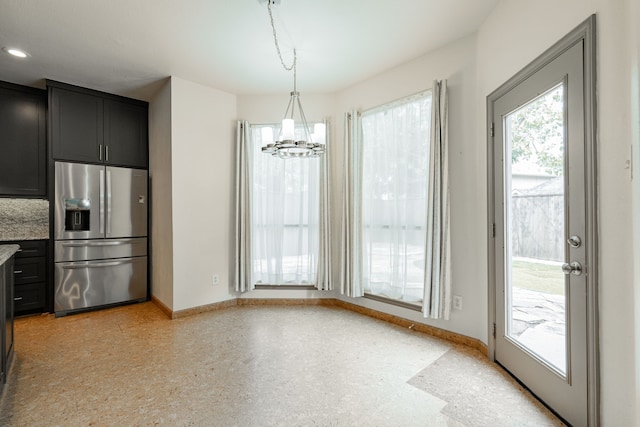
pixel 537 226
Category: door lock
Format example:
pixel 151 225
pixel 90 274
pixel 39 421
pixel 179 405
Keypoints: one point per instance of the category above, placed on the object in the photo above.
pixel 574 241
pixel 574 268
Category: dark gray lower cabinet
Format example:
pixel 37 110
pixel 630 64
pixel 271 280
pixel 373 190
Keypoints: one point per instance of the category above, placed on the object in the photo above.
pixel 30 277
pixel 6 317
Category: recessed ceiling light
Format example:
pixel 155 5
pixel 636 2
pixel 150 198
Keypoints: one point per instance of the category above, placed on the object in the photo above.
pixel 15 52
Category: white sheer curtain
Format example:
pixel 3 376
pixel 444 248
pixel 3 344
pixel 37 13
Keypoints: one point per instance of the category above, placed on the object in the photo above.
pixel 351 232
pixel 323 280
pixel 244 149
pixel 394 197
pixel 437 289
pixel 285 217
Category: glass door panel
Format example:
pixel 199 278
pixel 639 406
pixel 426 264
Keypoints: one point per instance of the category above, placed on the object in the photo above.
pixel 535 211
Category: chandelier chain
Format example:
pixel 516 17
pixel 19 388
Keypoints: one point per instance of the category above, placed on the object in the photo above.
pixel 275 40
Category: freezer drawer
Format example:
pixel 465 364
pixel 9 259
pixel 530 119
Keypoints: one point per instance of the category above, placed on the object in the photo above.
pixel 86 250
pixel 86 284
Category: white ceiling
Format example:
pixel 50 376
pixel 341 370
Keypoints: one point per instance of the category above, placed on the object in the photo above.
pixel 128 46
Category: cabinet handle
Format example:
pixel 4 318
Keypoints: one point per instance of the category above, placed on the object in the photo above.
pixel 17 299
pixel 17 271
pixel 100 152
pixel 19 250
pixel 106 150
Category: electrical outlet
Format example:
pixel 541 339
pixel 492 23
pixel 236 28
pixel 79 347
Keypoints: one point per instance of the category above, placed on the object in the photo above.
pixel 216 279
pixel 457 302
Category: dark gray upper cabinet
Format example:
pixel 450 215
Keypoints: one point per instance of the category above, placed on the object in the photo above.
pixel 23 141
pixel 76 126
pixel 95 127
pixel 125 133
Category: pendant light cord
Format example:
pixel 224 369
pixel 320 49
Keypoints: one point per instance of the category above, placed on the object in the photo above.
pixel 275 40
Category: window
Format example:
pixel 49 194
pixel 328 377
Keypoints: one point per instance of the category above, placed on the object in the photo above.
pixel 285 196
pixel 395 152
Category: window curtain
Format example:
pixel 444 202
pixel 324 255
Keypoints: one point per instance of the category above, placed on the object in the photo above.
pixel 324 281
pixel 394 197
pixel 243 281
pixel 285 216
pixel 351 230
pixel 437 280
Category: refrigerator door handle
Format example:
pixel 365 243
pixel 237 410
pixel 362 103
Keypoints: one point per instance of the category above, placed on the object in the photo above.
pixel 97 244
pixel 92 264
pixel 108 217
pixel 101 202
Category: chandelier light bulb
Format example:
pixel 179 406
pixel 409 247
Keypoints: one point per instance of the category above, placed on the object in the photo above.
pixel 288 129
pixel 267 135
pixel 319 133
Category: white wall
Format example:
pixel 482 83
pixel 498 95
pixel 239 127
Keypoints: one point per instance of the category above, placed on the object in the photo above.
pixel 202 123
pixel 263 109
pixel 161 203
pixel 512 36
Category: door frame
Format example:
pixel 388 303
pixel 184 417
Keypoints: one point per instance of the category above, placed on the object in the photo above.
pixel 586 33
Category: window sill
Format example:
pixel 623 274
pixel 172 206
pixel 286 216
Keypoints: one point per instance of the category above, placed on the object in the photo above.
pixel 287 287
pixel 416 306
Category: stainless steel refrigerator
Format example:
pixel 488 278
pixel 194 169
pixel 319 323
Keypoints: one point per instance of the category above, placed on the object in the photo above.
pixel 100 248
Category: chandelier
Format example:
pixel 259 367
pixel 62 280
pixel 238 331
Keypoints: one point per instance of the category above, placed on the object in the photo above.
pixel 287 146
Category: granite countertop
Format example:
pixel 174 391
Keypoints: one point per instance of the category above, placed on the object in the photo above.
pixel 24 219
pixel 6 251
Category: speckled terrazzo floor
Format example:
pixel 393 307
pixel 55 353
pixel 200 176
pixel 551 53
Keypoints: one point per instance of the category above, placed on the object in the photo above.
pixel 251 366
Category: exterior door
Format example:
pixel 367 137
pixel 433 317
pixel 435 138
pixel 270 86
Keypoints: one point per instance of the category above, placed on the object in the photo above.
pixel 542 211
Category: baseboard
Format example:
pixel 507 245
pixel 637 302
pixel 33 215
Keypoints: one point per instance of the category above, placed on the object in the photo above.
pixel 286 301
pixel 420 327
pixel 166 310
pixel 204 308
pixel 330 302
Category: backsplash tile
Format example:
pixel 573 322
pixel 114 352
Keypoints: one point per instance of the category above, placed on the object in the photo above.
pixel 24 219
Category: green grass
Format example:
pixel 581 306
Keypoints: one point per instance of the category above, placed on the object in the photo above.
pixel 538 277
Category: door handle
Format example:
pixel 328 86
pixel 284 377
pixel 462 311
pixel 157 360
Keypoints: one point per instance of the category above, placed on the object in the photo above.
pixel 93 264
pixel 96 244
pixel 108 213
pixel 574 268
pixel 101 213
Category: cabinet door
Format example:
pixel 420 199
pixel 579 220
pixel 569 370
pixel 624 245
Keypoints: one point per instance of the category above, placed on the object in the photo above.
pixel 125 133
pixel 30 277
pixel 8 312
pixel 29 270
pixel 23 168
pixel 29 298
pixel 76 126
pixel 4 328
